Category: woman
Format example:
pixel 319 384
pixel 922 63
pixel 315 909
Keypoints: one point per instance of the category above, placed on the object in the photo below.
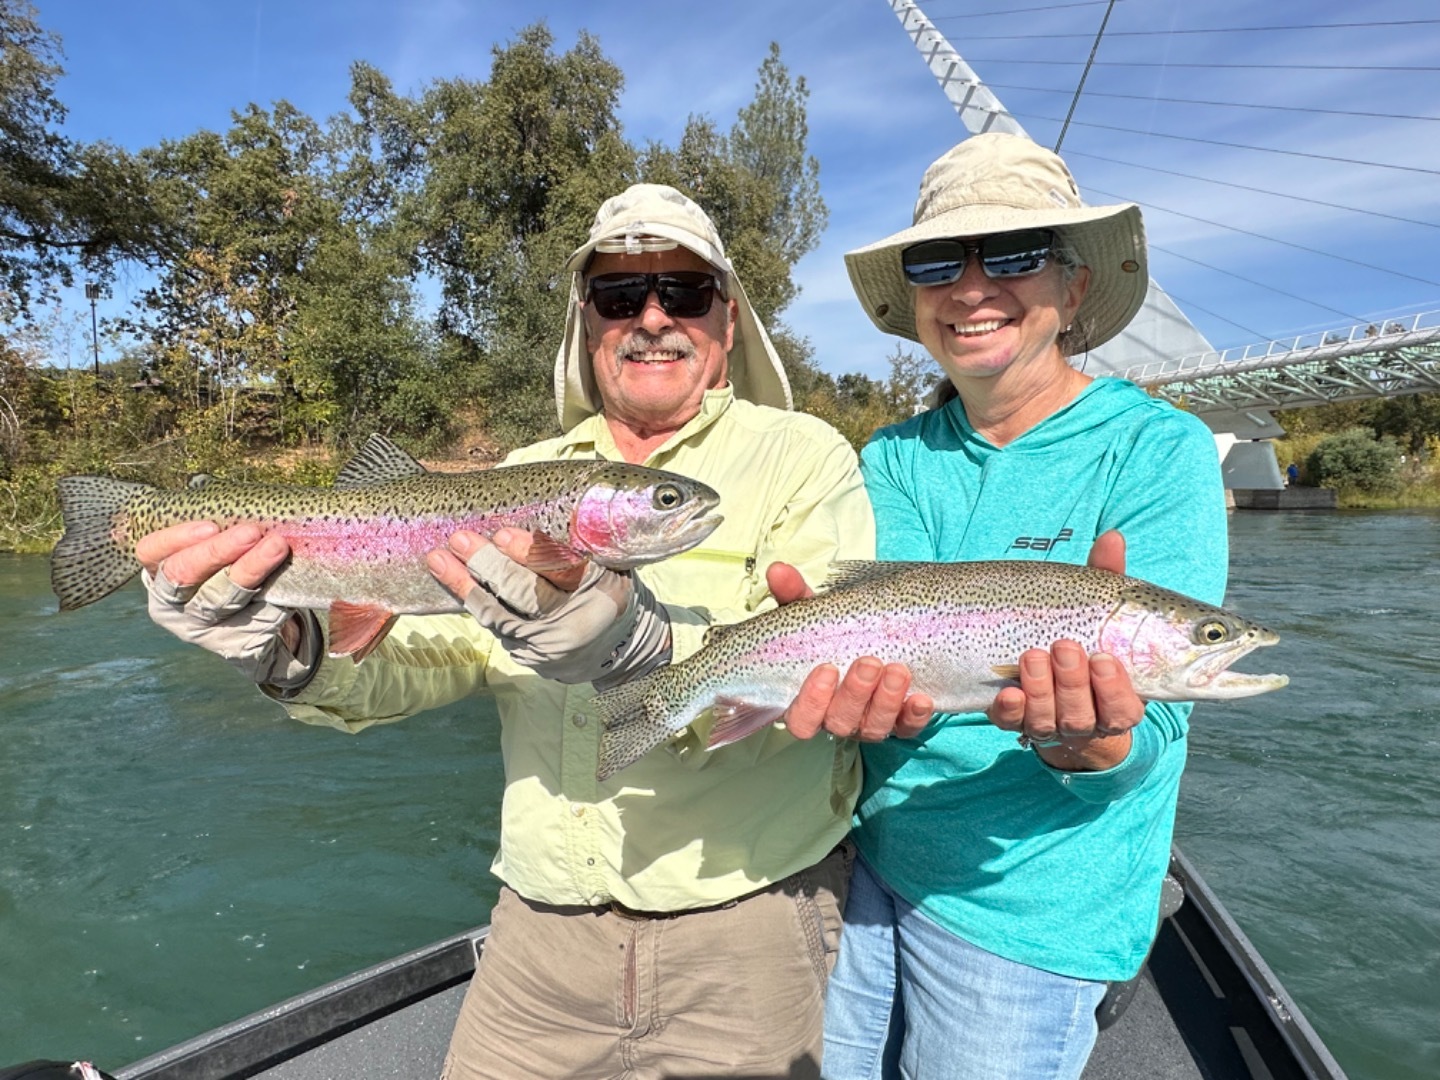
pixel 1001 882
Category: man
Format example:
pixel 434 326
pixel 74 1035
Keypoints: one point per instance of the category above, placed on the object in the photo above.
pixel 681 918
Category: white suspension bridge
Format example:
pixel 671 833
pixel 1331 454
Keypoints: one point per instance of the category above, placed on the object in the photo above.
pixel 1232 391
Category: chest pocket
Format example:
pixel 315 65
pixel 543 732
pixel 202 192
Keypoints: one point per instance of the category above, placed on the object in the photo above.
pixel 705 577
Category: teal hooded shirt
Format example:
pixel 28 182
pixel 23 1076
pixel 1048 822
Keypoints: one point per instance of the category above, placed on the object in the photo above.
pixel 1057 870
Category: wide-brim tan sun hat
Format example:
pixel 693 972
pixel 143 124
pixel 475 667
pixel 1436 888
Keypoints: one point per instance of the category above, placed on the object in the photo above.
pixel 648 217
pixel 995 183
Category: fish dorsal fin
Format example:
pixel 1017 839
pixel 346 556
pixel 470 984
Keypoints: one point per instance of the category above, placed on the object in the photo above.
pixel 379 461
pixel 198 481
pixel 852 573
pixel 716 632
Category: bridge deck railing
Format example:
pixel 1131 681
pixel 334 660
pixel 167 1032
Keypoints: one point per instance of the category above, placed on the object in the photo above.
pixel 1342 340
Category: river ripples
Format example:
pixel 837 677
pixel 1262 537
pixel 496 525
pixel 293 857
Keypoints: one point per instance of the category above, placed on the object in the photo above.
pixel 174 854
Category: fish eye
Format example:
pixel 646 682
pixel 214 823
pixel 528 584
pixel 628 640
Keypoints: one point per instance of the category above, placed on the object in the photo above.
pixel 1212 633
pixel 668 497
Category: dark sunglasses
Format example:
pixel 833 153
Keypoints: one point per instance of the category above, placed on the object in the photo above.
pixel 683 294
pixel 1004 255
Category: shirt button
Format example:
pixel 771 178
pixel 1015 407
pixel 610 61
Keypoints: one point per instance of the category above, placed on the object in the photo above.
pixel 577 809
pixel 590 862
pixel 579 719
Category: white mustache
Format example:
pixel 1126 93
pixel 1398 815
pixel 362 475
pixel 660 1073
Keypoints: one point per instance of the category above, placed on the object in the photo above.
pixel 639 342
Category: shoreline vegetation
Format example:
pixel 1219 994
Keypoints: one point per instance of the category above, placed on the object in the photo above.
pixel 392 269
pixel 118 425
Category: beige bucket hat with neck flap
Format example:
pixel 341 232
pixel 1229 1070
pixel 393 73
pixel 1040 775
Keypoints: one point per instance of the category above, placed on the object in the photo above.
pixel 995 183
pixel 654 217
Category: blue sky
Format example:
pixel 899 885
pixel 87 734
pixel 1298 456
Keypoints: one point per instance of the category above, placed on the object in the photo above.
pixel 145 70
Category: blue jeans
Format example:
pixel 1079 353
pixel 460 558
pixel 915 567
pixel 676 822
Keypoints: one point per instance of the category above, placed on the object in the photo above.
pixel 910 1000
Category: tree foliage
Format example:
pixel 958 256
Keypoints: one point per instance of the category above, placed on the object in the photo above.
pixel 396 267
pixel 1354 459
pixel 494 184
pixel 63 205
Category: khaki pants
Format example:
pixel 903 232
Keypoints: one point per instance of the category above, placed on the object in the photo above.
pixel 735 991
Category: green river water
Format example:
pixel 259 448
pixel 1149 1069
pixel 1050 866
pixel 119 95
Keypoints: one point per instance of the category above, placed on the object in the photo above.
pixel 175 854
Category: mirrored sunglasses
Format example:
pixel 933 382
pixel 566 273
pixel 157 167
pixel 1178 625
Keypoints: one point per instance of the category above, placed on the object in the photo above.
pixel 1003 255
pixel 683 294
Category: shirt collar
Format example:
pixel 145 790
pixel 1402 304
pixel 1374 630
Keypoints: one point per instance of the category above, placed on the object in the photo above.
pixel 592 435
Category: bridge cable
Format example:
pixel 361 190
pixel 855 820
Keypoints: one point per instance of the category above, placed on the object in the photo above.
pixel 1207 30
pixel 1261 284
pixel 1221 104
pixel 1018 11
pixel 1256 190
pixel 1083 75
pixel 1237 146
pixel 1255 335
pixel 1211 66
pixel 1272 239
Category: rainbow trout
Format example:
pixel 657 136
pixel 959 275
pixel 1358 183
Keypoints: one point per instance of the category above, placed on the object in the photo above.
pixel 358 549
pixel 961 628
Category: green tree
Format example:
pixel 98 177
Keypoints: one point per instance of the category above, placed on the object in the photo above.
pixel 289 311
pixel 913 378
pixel 1411 420
pixel 63 204
pixel 495 183
pixel 770 141
pixel 1354 460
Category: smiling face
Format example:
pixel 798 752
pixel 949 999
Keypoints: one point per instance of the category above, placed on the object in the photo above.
pixel 976 327
pixel 652 370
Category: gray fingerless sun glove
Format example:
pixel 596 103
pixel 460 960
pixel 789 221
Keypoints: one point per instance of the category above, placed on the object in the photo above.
pixel 227 620
pixel 610 629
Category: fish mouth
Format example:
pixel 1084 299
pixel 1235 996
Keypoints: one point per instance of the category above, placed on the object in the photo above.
pixel 693 523
pixel 1210 673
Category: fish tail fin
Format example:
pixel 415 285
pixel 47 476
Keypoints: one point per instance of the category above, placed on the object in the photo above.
pixel 635 718
pixel 96 555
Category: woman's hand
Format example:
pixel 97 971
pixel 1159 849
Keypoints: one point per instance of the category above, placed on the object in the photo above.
pixel 1075 710
pixel 872 701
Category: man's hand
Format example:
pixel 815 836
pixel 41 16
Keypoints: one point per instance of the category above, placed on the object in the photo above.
pixel 1087 702
pixel 579 624
pixel 203 584
pixel 448 565
pixel 870 704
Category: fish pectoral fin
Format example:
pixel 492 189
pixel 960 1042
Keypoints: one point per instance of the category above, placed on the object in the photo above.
pixel 355 629
pixel 548 555
pixel 735 719
pixel 1007 671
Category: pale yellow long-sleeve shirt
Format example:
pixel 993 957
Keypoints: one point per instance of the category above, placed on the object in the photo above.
pixel 682 827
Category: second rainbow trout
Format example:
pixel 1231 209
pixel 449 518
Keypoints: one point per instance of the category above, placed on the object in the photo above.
pixel 960 627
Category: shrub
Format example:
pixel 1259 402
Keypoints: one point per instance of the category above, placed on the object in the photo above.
pixel 1354 460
